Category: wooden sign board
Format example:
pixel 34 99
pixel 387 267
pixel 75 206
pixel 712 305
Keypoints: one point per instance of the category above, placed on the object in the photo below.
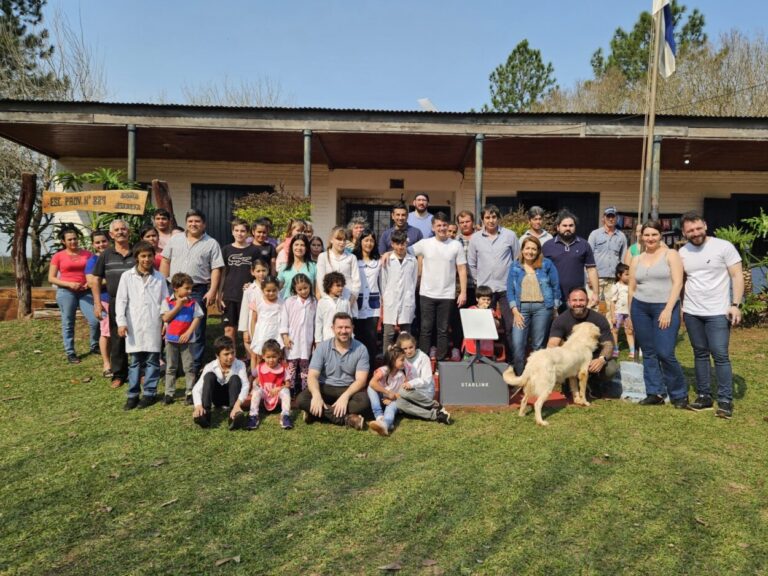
pixel 122 201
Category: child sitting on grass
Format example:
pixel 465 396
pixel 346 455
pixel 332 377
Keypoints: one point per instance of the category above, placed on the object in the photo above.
pixel 223 382
pixel 140 293
pixel 181 315
pixel 271 387
pixel 335 299
pixel 618 309
pixel 383 390
pixel 417 394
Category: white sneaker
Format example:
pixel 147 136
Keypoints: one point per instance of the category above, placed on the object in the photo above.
pixel 379 426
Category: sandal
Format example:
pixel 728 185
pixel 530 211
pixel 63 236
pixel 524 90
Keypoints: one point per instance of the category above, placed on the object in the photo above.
pixel 107 373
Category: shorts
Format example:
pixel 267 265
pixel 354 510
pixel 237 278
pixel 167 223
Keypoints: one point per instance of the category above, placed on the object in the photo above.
pixel 620 319
pixel 104 322
pixel 231 314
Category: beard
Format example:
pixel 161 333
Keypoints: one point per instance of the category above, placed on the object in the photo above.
pixel 567 236
pixel 697 240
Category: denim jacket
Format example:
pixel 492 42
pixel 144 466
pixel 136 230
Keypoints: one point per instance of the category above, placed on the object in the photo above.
pixel 548 281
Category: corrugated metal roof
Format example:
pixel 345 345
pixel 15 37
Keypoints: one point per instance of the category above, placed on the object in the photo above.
pixel 420 113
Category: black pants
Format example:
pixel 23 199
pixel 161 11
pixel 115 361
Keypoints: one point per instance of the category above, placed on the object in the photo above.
pixel 435 316
pixel 218 395
pixel 358 402
pixel 365 332
pixel 500 298
pixel 118 359
pixel 457 331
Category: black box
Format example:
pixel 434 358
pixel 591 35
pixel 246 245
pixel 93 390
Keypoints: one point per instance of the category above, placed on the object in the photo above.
pixel 480 384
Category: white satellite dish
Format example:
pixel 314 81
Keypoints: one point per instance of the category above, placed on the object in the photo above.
pixel 426 105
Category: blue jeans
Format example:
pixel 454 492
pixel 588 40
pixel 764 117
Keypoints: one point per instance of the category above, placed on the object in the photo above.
pixel 711 335
pixel 198 346
pixel 538 319
pixel 389 412
pixel 661 370
pixel 148 365
pixel 68 302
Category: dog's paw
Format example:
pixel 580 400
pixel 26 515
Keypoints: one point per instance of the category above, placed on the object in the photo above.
pixel 543 423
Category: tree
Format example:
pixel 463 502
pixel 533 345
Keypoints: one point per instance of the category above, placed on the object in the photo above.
pixel 263 91
pixel 726 78
pixel 30 68
pixel 629 50
pixel 521 81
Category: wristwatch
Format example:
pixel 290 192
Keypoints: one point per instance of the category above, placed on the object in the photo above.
pixel 736 304
pixel 606 359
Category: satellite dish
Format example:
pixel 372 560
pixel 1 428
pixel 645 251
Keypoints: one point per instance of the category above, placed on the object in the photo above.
pixel 426 105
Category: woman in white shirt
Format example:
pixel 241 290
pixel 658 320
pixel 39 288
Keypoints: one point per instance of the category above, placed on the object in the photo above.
pixel 369 299
pixel 335 259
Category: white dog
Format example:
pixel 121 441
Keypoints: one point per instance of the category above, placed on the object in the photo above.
pixel 548 367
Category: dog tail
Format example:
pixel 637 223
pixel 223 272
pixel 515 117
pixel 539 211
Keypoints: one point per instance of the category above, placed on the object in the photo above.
pixel 512 380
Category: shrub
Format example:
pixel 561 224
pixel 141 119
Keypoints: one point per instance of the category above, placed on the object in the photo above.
pixel 279 206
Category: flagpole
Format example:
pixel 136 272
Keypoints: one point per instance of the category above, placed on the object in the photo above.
pixel 651 125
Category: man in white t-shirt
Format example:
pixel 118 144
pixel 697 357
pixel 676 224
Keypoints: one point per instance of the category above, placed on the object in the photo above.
pixel 441 259
pixel 714 286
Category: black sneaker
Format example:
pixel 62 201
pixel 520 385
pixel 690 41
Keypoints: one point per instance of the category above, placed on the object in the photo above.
pixel 702 402
pixel 131 403
pixel 167 399
pixel 238 421
pixel 203 421
pixel 253 422
pixel 73 359
pixel 444 417
pixel 147 401
pixel 724 410
pixel 652 400
pixel 189 401
pixel 95 350
pixel 680 403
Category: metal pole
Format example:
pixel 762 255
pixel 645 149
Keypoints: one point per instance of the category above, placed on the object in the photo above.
pixel 651 116
pixel 307 163
pixel 479 142
pixel 131 152
pixel 655 177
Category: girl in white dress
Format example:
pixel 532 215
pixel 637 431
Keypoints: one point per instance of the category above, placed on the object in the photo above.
pixel 265 321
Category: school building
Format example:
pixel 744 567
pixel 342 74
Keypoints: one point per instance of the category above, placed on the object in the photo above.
pixel 358 162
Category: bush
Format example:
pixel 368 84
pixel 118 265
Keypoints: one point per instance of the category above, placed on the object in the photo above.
pixel 517 221
pixel 754 311
pixel 279 206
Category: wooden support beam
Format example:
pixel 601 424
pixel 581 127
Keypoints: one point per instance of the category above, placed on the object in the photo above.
pixel 161 198
pixel 19 246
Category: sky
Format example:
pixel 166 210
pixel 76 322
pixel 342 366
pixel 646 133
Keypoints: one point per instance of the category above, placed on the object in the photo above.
pixel 368 54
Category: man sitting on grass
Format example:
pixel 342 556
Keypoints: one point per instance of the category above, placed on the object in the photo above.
pixel 223 382
pixel 338 374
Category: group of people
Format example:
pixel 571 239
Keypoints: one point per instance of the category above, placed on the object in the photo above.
pixel 316 321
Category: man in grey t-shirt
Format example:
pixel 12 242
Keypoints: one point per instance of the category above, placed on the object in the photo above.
pixel 197 254
pixel 338 375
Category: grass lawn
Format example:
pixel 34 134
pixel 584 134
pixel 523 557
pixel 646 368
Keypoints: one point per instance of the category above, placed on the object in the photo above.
pixel 612 489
